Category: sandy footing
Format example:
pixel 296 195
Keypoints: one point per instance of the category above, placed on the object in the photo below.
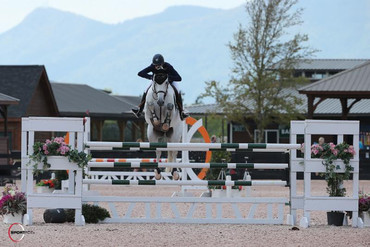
pixel 165 234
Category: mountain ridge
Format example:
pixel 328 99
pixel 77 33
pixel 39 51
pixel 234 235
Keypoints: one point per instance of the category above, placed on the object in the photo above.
pixel 76 49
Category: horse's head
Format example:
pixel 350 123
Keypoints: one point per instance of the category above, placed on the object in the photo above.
pixel 160 87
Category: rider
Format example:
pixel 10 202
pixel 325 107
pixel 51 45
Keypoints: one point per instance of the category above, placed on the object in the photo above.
pixel 159 66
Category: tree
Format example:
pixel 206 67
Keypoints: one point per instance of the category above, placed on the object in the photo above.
pixel 264 55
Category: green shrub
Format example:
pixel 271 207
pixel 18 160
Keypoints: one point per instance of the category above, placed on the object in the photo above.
pixel 92 213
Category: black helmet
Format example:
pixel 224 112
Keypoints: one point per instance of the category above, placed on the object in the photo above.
pixel 158 59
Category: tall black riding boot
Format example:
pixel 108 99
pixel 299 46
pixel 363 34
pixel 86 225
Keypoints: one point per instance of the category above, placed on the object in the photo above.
pixel 183 115
pixel 137 111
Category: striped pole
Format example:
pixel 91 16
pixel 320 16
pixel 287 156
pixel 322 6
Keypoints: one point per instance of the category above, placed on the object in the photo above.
pixel 187 165
pixel 188 146
pixel 186 182
pixel 129 160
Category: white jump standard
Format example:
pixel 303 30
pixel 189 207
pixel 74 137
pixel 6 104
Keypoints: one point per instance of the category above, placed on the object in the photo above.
pixel 197 210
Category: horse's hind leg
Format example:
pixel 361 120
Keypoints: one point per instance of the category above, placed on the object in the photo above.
pixel 157 171
pixel 169 159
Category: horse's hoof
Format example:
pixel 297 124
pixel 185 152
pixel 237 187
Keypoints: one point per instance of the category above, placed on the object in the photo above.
pixel 165 127
pixel 157 174
pixel 156 123
pixel 175 175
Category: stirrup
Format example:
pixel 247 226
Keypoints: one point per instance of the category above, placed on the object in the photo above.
pixel 184 115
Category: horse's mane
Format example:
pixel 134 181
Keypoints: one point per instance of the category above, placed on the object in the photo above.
pixel 160 78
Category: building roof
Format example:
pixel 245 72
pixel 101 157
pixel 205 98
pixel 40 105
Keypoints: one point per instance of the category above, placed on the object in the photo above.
pixel 328 107
pixel 329 64
pixel 202 109
pixel 354 82
pixel 79 100
pixel 333 107
pixel 133 101
pixel 20 82
pixel 8 100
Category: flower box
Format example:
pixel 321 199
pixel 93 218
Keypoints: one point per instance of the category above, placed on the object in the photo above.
pixel 55 154
pixel 365 216
pixel 10 219
pixel 316 165
pixel 44 189
pixel 59 163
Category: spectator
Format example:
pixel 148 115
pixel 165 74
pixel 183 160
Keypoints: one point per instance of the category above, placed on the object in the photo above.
pixel 213 139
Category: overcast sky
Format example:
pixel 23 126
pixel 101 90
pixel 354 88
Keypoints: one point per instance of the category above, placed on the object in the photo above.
pixel 12 12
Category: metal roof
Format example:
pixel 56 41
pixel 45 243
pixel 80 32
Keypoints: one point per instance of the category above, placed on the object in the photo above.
pixel 80 100
pixel 133 101
pixel 204 109
pixel 329 64
pixel 8 100
pixel 352 81
pixel 328 107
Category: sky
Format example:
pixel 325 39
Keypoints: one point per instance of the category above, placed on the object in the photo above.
pixel 12 12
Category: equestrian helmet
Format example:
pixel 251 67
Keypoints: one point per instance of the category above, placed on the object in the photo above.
pixel 158 60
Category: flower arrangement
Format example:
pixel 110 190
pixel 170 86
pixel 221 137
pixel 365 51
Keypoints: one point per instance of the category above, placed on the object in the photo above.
pixel 330 152
pixel 13 201
pixel 57 147
pixel 364 202
pixel 47 182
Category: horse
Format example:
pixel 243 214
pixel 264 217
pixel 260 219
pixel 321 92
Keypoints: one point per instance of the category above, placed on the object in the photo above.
pixel 163 118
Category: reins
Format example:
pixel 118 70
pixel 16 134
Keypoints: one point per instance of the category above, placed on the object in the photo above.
pixel 155 92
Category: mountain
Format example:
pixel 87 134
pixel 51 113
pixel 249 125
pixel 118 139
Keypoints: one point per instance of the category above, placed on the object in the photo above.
pixel 194 40
pixel 75 49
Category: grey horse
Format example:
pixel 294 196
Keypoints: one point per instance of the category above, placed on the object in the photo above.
pixel 163 118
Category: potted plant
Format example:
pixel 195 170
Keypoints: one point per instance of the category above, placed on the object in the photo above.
pixel 46 185
pixel 92 214
pixel 56 147
pixel 13 204
pixel 364 208
pixel 330 152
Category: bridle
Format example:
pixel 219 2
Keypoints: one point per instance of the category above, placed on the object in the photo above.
pixel 159 96
pixel 155 92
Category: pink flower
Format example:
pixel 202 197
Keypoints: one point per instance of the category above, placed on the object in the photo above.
pixel 59 140
pixel 351 150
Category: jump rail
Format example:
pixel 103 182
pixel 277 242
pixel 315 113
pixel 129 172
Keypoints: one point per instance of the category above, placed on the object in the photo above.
pixel 152 165
pixel 187 146
pixel 187 182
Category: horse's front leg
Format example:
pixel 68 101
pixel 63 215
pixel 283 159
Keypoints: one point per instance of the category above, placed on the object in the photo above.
pixel 167 121
pixel 172 157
